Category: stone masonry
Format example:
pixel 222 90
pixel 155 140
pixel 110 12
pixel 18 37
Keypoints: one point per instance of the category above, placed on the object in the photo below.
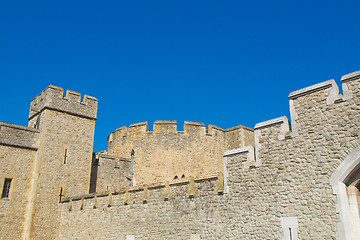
pixel 275 181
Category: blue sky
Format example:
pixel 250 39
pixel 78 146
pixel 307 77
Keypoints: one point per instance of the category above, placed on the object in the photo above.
pixel 219 62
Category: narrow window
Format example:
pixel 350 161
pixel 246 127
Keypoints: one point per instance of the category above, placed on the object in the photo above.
pixel 65 156
pixel 6 188
pixel 61 194
pixel 290 233
pixel 37 122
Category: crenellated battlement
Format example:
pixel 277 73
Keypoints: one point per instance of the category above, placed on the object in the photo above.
pixel 52 98
pixel 166 153
pixel 273 181
pixel 144 194
pixel 171 126
pixel 310 107
pixel 165 126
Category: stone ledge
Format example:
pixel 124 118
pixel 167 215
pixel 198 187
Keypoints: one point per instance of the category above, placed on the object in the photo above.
pixel 19 127
pixel 165 122
pixel 236 151
pixel 137 125
pixel 350 77
pixel 271 122
pixel 238 127
pixel 139 188
pixel 194 123
pixel 312 89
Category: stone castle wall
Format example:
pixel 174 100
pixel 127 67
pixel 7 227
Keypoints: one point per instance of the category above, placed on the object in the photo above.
pixel 239 183
pixel 165 154
pixel 109 173
pixel 285 177
pixel 17 164
pixel 18 145
pixel 46 161
pixel 65 153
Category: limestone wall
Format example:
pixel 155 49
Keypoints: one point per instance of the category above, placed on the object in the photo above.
pixel 66 126
pixel 61 131
pixel 165 153
pixel 19 136
pixel 283 182
pixel 16 164
pixel 109 172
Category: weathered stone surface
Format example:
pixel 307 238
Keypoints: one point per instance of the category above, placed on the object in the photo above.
pixel 165 154
pixel 196 184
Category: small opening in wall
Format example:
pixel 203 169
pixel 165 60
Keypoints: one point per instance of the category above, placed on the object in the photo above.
pixel 61 194
pixel 37 123
pixel 290 234
pixel 183 176
pixel 176 177
pixel 65 155
pixel 6 188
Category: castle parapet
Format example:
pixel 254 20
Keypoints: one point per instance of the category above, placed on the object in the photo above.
pixel 147 190
pixel 52 98
pixel 19 136
pixel 350 84
pixel 165 153
pixel 165 126
pixel 138 128
pixel 270 131
pixel 194 128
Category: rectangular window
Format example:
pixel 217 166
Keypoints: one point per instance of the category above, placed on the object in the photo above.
pixel 6 188
pixel 61 194
pixel 65 156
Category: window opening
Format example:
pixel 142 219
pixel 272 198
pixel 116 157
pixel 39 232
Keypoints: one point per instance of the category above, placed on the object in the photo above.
pixel 176 177
pixel 37 122
pixel 65 156
pixel 6 188
pixel 290 233
pixel 61 194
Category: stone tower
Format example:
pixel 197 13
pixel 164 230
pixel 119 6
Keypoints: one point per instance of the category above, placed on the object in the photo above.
pixel 63 161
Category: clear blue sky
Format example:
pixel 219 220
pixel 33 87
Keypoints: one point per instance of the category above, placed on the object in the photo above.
pixel 219 62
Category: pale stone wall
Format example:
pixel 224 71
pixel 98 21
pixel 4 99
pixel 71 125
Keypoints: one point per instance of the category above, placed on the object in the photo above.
pixel 274 178
pixel 18 136
pixel 165 153
pixel 60 131
pixel 287 183
pixel 53 153
pixel 110 172
pixel 17 164
pixel 18 145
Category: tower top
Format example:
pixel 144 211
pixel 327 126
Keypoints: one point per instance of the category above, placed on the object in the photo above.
pixel 53 98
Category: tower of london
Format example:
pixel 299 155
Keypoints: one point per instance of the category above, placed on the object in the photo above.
pixel 288 179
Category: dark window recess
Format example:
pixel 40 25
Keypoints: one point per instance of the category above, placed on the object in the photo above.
pixel 6 188
pixel 94 172
pixel 65 156
pixel 61 194
pixel 37 124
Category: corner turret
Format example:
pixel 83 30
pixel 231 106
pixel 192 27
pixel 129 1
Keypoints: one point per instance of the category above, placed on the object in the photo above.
pixel 52 98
